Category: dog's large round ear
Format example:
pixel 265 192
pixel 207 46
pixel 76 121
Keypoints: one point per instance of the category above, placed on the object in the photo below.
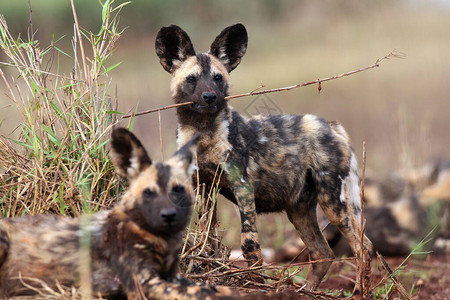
pixel 230 45
pixel 173 46
pixel 127 153
pixel 184 157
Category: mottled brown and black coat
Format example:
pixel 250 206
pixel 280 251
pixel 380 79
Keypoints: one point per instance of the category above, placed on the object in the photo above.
pixel 133 248
pixel 272 163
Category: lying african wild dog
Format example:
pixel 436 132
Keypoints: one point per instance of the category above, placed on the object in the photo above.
pixel 273 163
pixel 138 240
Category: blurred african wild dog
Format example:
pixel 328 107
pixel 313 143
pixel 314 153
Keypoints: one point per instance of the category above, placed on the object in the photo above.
pixel 272 163
pixel 134 247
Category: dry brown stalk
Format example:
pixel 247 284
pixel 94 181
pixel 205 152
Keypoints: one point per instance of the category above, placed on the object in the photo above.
pixel 202 252
pixel 160 136
pixel 365 274
pixel 189 251
pixel 139 289
pixel 255 92
pixel 398 286
pixel 382 280
pixel 83 57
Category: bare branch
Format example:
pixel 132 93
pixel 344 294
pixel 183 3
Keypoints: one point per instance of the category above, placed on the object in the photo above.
pixel 255 92
pixel 364 276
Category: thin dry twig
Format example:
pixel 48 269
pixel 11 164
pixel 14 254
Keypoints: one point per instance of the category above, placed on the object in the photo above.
pixel 160 135
pixel 364 283
pixel 139 289
pixel 398 286
pixel 255 92
pixel 240 271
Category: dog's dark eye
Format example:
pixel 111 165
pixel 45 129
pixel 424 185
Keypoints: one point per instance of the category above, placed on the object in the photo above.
pixel 148 193
pixel 180 197
pixel 179 189
pixel 191 78
pixel 218 77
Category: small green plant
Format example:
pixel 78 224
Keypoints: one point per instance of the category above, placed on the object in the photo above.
pixel 59 162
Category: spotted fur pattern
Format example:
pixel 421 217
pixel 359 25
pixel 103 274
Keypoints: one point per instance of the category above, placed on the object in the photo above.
pixel 272 163
pixel 134 247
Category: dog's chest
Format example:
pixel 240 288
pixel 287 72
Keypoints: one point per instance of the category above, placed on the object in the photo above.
pixel 213 147
pixel 212 153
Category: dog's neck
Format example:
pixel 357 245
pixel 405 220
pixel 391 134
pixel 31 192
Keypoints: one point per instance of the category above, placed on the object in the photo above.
pixel 210 126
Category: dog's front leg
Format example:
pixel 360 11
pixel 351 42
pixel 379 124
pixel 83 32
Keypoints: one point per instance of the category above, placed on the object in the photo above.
pixel 243 190
pixel 156 288
pixel 141 281
pixel 249 233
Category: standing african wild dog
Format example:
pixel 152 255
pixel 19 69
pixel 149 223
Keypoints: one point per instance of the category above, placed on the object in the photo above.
pixel 273 163
pixel 134 244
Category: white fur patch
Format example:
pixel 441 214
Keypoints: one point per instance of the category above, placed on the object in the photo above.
pixel 263 139
pixel 133 169
pixel 189 169
pixel 139 246
pixel 311 125
pixel 192 168
pixel 223 133
pixel 184 135
pixel 350 185
pixel 223 55
pixel 353 180
pixel 243 49
pixel 344 192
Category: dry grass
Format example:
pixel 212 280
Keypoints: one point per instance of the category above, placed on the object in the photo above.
pixel 59 162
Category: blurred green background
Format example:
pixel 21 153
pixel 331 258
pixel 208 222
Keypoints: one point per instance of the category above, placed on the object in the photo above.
pixel 401 109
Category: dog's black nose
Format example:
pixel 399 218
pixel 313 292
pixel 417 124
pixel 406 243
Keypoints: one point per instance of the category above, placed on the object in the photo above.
pixel 209 97
pixel 169 215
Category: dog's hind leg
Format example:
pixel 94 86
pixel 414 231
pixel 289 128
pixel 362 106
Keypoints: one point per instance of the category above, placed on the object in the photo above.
pixel 304 218
pixel 339 198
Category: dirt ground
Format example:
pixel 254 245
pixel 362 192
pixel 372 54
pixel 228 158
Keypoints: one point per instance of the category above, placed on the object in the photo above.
pixel 425 278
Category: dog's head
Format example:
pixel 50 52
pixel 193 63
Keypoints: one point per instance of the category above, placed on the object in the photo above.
pixel 201 78
pixel 159 196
